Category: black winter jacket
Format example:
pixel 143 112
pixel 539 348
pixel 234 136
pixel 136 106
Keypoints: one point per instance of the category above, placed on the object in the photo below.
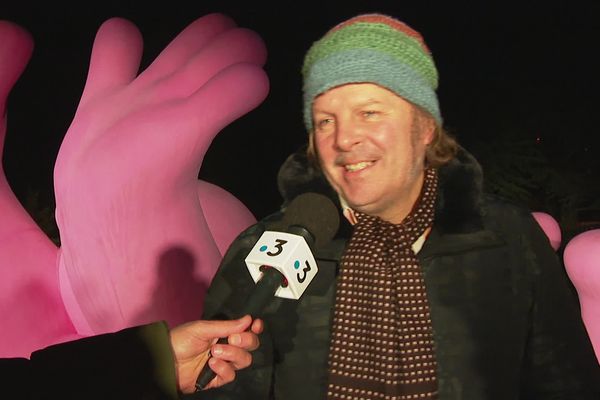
pixel 505 318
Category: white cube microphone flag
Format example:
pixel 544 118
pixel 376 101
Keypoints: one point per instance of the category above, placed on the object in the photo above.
pixel 287 253
pixel 281 261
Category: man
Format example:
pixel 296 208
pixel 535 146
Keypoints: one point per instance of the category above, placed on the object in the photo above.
pixel 145 362
pixel 431 289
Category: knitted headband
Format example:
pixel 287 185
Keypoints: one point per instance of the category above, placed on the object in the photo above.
pixel 372 48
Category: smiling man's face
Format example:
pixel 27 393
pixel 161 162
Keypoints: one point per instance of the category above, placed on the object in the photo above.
pixel 371 146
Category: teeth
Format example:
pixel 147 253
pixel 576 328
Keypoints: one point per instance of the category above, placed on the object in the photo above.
pixel 358 166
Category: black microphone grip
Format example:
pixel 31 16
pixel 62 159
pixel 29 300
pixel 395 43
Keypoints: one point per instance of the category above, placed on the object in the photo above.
pixel 261 295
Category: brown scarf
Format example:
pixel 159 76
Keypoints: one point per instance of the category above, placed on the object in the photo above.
pixel 382 343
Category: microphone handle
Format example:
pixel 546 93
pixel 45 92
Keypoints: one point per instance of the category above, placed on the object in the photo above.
pixel 262 293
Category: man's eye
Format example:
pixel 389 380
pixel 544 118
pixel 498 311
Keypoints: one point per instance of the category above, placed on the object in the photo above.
pixel 324 122
pixel 369 113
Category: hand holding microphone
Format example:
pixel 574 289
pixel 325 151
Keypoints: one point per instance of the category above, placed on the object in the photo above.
pixel 281 261
pixel 191 341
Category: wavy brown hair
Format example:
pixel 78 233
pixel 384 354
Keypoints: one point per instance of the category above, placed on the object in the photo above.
pixel 443 147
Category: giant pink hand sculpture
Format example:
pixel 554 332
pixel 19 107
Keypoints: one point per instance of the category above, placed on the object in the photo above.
pixel 141 237
pixel 582 262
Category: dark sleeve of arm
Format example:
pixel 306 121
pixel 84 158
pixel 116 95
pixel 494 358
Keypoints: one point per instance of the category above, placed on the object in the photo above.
pixel 560 360
pixel 135 363
pixel 225 299
pixel 15 376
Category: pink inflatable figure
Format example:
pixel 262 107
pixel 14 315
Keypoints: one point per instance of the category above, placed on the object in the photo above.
pixel 31 308
pixel 582 262
pixel 141 236
pixel 550 227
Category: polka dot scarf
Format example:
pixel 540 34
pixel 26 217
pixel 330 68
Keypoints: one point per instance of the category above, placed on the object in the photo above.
pixel 382 344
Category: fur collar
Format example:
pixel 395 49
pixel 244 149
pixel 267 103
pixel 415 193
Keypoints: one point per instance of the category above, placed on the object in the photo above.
pixel 460 196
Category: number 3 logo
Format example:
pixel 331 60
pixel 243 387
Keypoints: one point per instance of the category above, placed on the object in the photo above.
pixel 305 270
pixel 278 246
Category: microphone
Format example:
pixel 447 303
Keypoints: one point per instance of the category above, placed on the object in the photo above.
pixel 281 262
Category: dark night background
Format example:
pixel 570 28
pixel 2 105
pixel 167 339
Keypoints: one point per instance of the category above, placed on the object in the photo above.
pixel 518 87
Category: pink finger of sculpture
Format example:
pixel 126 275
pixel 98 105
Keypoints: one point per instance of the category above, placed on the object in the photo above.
pixel 582 262
pixel 550 227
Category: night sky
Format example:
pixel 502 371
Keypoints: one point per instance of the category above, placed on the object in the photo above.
pixel 532 68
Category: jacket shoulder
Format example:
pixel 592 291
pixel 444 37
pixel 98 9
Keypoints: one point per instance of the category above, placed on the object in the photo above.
pixel 506 215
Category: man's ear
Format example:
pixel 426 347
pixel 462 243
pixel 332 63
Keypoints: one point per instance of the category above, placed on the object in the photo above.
pixel 428 130
pixel 424 126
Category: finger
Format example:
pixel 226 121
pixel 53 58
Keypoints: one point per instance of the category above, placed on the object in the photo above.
pixel 197 119
pixel 257 326
pixel 208 330
pixel 237 356
pixel 224 371
pixel 187 43
pixel 192 123
pixel 234 46
pixel 16 46
pixel 230 94
pixel 244 340
pixel 115 58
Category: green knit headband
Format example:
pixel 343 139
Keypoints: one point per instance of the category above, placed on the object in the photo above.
pixel 372 48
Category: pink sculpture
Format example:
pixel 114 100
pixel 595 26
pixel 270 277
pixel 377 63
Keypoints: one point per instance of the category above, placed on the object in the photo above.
pixel 141 236
pixel 582 262
pixel 550 227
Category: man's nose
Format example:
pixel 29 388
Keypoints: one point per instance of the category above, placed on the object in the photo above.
pixel 347 135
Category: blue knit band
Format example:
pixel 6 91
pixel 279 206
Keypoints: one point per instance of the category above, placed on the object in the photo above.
pixel 368 66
